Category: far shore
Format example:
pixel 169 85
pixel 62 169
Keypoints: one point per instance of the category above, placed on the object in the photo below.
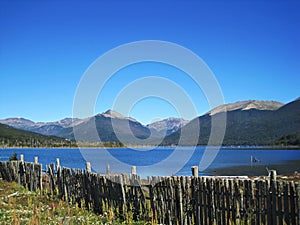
pixel 290 167
pixel 172 146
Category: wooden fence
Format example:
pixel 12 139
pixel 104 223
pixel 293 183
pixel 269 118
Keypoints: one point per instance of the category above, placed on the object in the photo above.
pixel 170 200
pixel 25 173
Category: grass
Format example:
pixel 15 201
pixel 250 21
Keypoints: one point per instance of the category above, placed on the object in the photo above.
pixel 20 206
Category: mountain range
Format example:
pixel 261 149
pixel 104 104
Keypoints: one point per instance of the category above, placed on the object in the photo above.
pixel 110 127
pixel 12 137
pixel 247 123
pixel 167 126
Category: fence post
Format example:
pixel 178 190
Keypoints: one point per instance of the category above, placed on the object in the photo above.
pixel 20 171
pixel 57 164
pixel 273 175
pixel 107 169
pixel 272 211
pixel 41 177
pixel 36 160
pixel 88 167
pixel 298 195
pixel 195 171
pixel 22 158
pixel 133 170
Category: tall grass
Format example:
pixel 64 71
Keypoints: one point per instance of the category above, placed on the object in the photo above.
pixel 19 206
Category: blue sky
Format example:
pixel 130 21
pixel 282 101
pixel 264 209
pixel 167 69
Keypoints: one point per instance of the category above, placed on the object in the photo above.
pixel 252 47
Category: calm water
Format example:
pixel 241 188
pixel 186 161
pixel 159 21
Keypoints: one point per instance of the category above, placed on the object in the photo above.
pixel 158 161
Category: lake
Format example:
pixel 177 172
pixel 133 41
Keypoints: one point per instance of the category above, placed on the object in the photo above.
pixel 161 161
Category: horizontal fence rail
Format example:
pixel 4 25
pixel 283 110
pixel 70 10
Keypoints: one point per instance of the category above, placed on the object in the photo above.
pixel 166 200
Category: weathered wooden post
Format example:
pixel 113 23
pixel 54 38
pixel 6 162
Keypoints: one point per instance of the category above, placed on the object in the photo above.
pixel 107 169
pixel 57 164
pixel 133 170
pixel 41 177
pixel 272 217
pixel 195 171
pixel 21 170
pixel 88 167
pixel 273 175
pixel 298 194
pixel 36 160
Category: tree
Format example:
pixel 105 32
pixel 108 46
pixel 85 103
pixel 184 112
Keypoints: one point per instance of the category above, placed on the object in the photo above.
pixel 13 157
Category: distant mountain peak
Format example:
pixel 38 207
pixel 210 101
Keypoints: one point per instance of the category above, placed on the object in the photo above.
pixel 19 119
pixel 168 125
pixel 66 122
pixel 247 105
pixel 115 115
pixel 17 122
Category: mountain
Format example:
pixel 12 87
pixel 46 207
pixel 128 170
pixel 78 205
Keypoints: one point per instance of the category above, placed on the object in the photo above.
pixel 167 126
pixel 248 123
pixel 66 122
pixel 110 127
pixel 45 128
pixel 19 123
pixel 115 115
pixel 246 105
pixel 103 122
pixel 12 137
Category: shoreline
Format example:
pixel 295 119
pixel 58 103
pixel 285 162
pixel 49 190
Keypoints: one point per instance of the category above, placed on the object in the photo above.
pixel 289 167
pixel 220 147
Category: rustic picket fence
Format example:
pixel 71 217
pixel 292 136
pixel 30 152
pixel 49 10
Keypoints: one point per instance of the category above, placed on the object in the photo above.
pixel 167 200
pixel 25 173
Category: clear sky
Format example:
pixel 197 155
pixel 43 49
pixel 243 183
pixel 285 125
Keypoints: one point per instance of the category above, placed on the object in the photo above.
pixel 252 47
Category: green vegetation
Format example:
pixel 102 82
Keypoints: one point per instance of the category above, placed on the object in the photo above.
pixel 289 140
pixel 101 144
pixel 13 157
pixel 20 206
pixel 11 137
